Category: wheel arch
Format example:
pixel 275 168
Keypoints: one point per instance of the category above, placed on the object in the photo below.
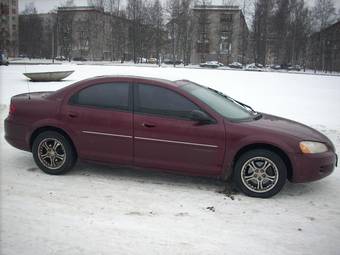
pixel 270 147
pixel 39 130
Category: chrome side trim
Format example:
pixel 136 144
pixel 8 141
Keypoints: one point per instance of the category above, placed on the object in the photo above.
pixel 150 139
pixel 177 142
pixel 106 134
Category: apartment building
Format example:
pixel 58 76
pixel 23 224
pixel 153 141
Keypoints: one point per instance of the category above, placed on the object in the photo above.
pixel 9 27
pixel 221 34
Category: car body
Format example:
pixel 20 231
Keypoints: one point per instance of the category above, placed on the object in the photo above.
pixel 211 64
pixel 61 58
pixel 152 61
pixel 254 67
pixel 294 68
pixel 79 59
pixel 169 61
pixel 236 65
pixel 3 59
pixel 275 67
pixel 177 126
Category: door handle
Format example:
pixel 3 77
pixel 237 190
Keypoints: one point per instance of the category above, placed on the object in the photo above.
pixel 148 125
pixel 72 115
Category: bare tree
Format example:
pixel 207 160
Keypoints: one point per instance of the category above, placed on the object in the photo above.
pixel 261 29
pixel 181 26
pixel 65 26
pixel 202 29
pixel 30 31
pixel 134 14
pixel 280 28
pixel 157 24
pixel 173 9
pixel 112 9
pixel 65 20
pixel 299 31
pixel 185 24
pixel 97 3
pixel 323 15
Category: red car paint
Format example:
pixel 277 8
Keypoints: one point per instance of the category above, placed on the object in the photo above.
pixel 151 141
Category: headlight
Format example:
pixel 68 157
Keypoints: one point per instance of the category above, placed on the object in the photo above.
pixel 312 147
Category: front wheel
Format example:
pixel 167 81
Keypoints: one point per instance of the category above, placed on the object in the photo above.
pixel 53 153
pixel 260 173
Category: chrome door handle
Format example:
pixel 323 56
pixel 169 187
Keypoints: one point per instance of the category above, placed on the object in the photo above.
pixel 148 125
pixel 72 115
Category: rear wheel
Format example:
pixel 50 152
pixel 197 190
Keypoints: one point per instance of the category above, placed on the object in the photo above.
pixel 260 173
pixel 53 153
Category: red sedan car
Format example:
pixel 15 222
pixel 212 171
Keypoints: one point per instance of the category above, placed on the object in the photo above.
pixel 179 126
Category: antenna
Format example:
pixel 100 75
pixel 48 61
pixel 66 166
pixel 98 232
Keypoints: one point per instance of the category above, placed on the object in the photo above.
pixel 28 86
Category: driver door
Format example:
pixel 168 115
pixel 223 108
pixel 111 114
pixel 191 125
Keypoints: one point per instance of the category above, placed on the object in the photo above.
pixel 165 137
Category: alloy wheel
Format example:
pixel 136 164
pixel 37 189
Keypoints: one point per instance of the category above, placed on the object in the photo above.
pixel 259 174
pixel 51 153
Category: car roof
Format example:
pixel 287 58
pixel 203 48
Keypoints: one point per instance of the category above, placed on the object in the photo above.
pixel 107 78
pixel 131 77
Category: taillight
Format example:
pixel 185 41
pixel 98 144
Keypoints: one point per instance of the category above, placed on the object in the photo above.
pixel 12 109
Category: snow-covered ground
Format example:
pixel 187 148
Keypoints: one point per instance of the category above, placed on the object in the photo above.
pixel 106 210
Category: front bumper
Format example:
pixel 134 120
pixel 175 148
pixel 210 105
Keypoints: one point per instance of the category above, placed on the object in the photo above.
pixel 312 167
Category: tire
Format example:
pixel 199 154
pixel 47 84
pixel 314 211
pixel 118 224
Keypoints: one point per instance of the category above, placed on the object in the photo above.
pixel 260 173
pixel 53 153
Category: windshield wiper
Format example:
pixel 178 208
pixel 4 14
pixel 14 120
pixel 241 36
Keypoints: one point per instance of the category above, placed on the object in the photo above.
pixel 245 105
pixel 258 116
pixel 232 99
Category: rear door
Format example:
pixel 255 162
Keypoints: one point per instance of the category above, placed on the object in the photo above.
pixel 100 117
pixel 165 137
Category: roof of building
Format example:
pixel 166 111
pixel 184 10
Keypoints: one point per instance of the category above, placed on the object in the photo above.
pixel 217 7
pixel 80 8
pixel 326 29
pixel 333 25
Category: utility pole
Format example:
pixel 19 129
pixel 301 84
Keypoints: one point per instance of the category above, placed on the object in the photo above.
pixel 173 43
pixel 53 44
pixel 243 31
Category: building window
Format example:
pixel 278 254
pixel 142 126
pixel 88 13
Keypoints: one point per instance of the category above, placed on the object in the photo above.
pixel 226 22
pixel 4 9
pixel 14 11
pixel 225 36
pixel 225 47
pixel 226 27
pixel 82 35
pixel 226 18
pixel 203 37
pixel 202 47
pixel 14 27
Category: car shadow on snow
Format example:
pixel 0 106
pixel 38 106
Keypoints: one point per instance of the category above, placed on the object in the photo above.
pixel 147 176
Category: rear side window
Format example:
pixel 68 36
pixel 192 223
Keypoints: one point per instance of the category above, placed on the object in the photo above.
pixel 160 101
pixel 108 95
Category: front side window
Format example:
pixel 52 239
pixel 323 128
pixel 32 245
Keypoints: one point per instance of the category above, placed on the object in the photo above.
pixel 160 101
pixel 107 95
pixel 222 104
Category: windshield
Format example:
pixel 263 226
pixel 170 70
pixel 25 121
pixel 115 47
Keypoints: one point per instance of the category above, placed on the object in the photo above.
pixel 224 105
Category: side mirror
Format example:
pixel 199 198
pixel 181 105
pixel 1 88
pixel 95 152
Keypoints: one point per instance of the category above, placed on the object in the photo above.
pixel 200 117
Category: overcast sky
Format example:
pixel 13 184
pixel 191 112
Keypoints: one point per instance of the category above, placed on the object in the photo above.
pixel 44 6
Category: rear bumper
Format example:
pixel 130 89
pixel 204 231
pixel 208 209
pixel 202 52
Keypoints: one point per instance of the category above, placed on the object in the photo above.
pixel 313 167
pixel 15 134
